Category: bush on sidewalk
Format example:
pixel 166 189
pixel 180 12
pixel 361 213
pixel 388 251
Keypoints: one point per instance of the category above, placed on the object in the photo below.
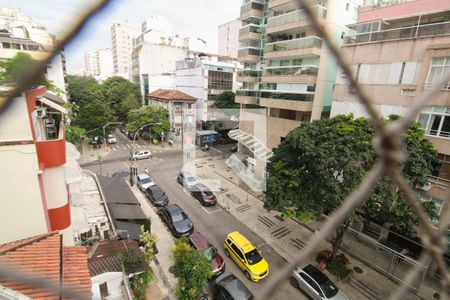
pixel 338 265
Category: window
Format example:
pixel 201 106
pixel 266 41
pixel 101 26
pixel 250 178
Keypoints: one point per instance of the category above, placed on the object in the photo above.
pixel 297 62
pixel 284 62
pixel 439 65
pixel 436 121
pixel 238 252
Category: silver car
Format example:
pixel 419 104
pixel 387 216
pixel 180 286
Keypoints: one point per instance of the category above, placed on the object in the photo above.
pixel 144 181
pixel 315 284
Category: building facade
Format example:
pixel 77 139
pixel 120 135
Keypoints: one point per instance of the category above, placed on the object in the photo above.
pixel 122 35
pixel 397 53
pixel 99 64
pixel 20 33
pixel 288 71
pixel 228 38
pixel 204 77
pixel 33 146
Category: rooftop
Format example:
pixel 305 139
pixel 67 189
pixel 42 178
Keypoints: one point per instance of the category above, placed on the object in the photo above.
pixel 45 256
pixel 171 95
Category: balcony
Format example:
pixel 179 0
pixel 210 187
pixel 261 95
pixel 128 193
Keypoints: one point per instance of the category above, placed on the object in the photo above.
pixel 251 9
pixel 246 97
pixel 249 55
pixel 291 74
pixel 293 20
pixel 404 33
pixel 51 151
pixel 270 100
pixel 287 5
pixel 250 32
pixel 294 48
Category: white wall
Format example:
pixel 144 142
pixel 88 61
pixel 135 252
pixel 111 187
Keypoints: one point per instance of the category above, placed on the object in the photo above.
pixel 228 38
pixel 358 110
pixel 194 82
pixel 55 74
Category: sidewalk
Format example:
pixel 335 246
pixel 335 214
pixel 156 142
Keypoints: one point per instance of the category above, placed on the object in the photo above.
pixel 286 236
pixel 165 243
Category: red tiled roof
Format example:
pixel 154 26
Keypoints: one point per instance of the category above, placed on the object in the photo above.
pixel 167 95
pixel 41 255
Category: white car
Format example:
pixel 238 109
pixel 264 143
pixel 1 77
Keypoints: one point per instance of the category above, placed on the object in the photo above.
pixel 141 154
pixel 186 179
pixel 315 284
pixel 144 181
pixel 111 139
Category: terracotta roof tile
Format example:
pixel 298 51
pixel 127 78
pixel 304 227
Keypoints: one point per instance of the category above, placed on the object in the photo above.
pixel 167 95
pixel 41 255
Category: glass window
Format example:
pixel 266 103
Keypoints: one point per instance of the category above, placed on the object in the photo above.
pixel 253 257
pixel 436 121
pixel 284 62
pixel 297 62
pixel 438 67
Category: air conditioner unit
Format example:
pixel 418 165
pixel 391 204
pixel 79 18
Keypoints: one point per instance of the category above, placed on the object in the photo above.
pixel 40 112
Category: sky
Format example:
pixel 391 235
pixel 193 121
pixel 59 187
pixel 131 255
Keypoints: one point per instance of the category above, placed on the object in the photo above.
pixel 199 18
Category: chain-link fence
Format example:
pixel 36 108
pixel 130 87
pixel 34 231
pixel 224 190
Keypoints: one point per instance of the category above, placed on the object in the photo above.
pixel 387 144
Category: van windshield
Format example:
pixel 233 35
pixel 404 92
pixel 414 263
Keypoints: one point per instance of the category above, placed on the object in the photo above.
pixel 253 257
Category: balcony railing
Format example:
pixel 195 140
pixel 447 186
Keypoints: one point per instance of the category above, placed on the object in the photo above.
pixel 301 43
pixel 249 51
pixel 248 73
pixel 251 5
pixel 295 16
pixel 246 93
pixel 251 28
pixel 291 70
pixel 287 96
pixel 427 30
pixel 250 44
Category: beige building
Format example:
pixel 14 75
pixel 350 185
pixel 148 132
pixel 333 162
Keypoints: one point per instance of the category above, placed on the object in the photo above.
pixel 122 35
pixel 287 71
pixel 397 52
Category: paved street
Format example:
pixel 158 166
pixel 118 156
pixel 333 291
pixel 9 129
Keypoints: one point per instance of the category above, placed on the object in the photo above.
pixel 213 222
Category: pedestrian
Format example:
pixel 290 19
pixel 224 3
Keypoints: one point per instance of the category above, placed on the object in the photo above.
pixel 146 171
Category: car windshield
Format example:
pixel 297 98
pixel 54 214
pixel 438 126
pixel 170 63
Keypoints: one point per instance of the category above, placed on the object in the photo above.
pixel 329 289
pixel 177 217
pixel 190 179
pixel 158 193
pixel 210 253
pixel 207 193
pixel 253 257
pixel 146 180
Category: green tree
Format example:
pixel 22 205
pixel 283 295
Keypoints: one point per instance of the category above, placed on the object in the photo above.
pixel 149 114
pixel 122 96
pixel 93 116
pixel 225 100
pixel 78 86
pixel 319 164
pixel 74 134
pixel 15 68
pixel 192 269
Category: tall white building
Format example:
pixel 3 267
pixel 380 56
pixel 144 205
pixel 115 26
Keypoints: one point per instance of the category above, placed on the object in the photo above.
pixel 91 63
pixel 204 77
pixel 228 38
pixel 20 33
pixel 122 35
pixel 99 64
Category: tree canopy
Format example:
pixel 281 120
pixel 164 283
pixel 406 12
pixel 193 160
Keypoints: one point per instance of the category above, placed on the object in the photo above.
pixel 318 165
pixel 225 100
pixel 192 269
pixel 122 96
pixel 77 87
pixel 149 114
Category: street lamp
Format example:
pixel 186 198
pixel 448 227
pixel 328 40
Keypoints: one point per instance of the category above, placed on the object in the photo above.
pixel 133 169
pixel 104 130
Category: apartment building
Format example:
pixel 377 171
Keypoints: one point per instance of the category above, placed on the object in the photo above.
pixel 122 35
pixel 228 38
pixel 397 52
pixel 20 33
pixel 99 64
pixel 287 71
pixel 205 76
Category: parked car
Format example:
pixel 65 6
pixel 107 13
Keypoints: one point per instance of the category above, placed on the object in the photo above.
pixel 131 135
pixel 316 284
pixel 176 219
pixel 202 193
pixel 201 243
pixel 246 256
pixel 227 286
pixel 111 139
pixel 186 179
pixel 96 142
pixel 141 154
pixel 156 195
pixel 144 181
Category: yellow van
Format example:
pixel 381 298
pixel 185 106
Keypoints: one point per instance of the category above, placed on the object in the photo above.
pixel 245 255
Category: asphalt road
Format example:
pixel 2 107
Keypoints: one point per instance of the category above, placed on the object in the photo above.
pixel 212 222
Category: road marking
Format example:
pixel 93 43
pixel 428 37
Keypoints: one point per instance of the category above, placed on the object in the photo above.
pixel 128 146
pixel 211 212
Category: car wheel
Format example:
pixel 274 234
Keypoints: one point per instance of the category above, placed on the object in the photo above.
pixel 227 253
pixel 247 275
pixel 294 282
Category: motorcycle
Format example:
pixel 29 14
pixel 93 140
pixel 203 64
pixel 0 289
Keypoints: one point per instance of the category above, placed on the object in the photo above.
pixel 205 148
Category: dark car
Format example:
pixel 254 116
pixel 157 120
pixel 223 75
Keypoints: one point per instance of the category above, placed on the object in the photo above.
pixel 156 195
pixel 96 142
pixel 131 136
pixel 202 193
pixel 227 286
pixel 177 221
pixel 199 242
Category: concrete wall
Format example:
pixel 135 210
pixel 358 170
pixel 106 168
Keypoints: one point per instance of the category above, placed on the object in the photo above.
pixel 228 38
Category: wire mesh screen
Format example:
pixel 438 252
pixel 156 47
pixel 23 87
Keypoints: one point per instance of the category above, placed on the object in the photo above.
pixel 387 144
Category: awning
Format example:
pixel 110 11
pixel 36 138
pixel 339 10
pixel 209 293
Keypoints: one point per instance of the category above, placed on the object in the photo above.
pixel 52 104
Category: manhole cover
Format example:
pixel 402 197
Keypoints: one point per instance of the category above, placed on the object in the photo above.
pixel 357 270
